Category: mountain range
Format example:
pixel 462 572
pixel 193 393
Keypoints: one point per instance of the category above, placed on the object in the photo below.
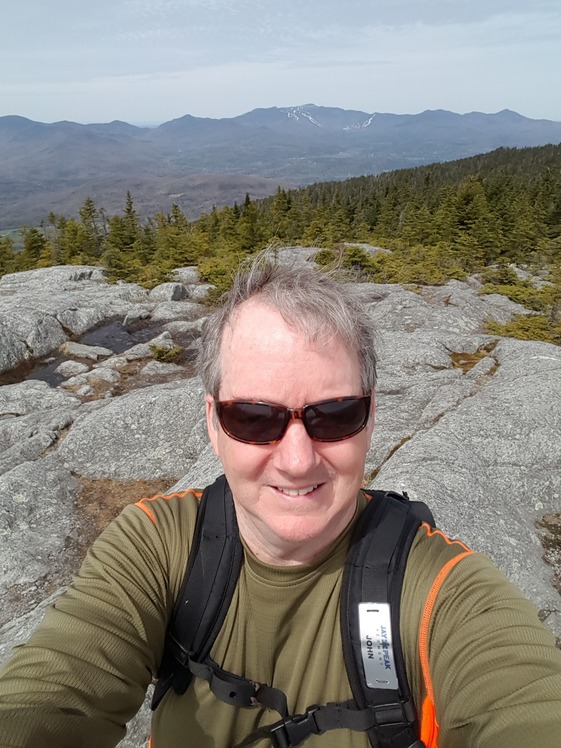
pixel 200 162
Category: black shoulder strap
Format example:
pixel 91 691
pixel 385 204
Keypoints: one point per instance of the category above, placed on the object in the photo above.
pixel 207 588
pixel 370 614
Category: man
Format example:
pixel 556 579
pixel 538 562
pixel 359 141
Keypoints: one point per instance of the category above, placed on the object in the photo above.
pixel 288 366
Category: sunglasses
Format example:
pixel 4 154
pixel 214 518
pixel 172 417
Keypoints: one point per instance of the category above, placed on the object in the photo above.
pixel 265 423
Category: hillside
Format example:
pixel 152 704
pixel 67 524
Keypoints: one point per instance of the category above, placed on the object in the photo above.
pixel 510 198
pixel 199 162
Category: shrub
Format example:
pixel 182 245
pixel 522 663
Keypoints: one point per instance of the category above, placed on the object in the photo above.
pixel 528 327
pixel 325 257
pixel 424 265
pixel 521 293
pixel 357 259
pixel 163 353
pixel 220 271
pixel 500 275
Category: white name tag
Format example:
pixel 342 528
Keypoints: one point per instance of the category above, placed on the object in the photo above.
pixel 376 645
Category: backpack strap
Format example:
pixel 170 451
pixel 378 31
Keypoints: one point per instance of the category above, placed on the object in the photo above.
pixel 212 573
pixel 370 614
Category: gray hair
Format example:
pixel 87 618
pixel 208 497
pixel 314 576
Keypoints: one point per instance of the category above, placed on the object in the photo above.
pixel 316 303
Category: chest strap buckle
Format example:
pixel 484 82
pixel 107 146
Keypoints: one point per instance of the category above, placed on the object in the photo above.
pixel 293 730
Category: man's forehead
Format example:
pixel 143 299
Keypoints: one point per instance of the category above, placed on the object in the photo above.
pixel 257 320
pixel 260 345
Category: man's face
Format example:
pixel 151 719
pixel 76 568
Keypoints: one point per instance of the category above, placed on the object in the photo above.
pixel 295 497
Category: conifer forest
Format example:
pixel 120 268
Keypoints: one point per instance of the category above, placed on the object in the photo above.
pixel 475 216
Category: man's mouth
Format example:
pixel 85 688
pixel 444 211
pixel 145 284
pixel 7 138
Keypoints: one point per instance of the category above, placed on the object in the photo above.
pixel 296 491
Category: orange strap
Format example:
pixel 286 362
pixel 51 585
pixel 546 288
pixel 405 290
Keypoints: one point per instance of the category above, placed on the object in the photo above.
pixel 429 724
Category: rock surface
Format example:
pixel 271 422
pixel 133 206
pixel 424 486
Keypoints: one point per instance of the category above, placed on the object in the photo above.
pixel 71 368
pixel 169 292
pixel 90 352
pixel 42 309
pixel 466 421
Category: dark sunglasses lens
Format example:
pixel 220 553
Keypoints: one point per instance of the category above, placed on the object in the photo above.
pixel 256 423
pixel 333 420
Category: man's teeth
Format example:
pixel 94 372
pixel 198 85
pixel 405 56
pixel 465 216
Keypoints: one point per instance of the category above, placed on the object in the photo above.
pixel 297 492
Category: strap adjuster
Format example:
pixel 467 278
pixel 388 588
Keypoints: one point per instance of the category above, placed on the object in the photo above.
pixel 293 730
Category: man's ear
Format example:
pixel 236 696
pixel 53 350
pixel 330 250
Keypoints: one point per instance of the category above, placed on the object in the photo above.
pixel 212 424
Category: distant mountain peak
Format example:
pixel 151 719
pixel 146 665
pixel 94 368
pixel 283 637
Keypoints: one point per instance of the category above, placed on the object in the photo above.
pixel 299 112
pixel 510 114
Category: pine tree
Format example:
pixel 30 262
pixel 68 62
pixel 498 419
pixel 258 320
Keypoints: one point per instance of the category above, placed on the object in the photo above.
pixel 68 243
pixel 176 243
pixel 227 238
pixel 249 229
pixel 7 256
pixel 123 233
pixel 317 230
pixel 279 215
pixel 91 239
pixel 391 212
pixel 525 234
pixel 34 243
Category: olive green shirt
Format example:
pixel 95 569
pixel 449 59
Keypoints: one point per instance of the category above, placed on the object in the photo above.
pixel 490 667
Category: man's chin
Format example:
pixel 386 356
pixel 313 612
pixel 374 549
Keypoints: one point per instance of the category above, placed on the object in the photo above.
pixel 300 530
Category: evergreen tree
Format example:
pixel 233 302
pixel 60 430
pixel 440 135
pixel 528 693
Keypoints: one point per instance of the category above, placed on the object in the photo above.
pixel 279 215
pixel 317 231
pixel 123 233
pixel 47 257
pixel 91 235
pixel 524 235
pixel 69 241
pixel 177 244
pixel 338 227
pixel 34 244
pixel 391 211
pixel 131 225
pixel 249 229
pixel 211 225
pixel 7 256
pixel 227 237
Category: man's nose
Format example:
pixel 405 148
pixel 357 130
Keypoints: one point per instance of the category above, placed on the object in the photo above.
pixel 296 451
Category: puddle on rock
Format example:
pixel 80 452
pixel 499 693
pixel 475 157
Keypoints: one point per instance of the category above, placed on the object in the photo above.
pixel 112 335
pixel 115 337
pixel 466 361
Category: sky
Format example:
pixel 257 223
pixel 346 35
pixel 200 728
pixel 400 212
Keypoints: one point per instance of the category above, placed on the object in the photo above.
pixel 150 61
